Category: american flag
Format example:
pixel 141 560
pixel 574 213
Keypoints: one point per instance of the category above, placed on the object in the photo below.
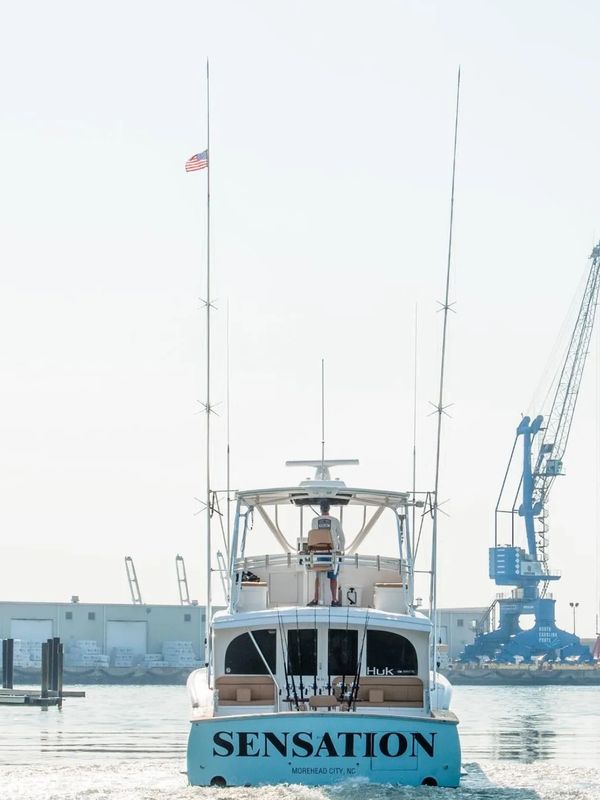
pixel 198 161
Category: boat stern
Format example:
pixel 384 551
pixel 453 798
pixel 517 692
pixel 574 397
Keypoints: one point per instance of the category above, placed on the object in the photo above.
pixel 324 748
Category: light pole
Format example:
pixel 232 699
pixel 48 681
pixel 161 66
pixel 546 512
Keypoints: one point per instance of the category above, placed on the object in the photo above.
pixel 574 606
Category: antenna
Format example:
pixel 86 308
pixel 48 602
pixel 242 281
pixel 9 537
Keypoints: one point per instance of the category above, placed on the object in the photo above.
pixel 322 413
pixel 440 405
pixel 322 467
pixel 207 643
pixel 228 442
pixel 202 163
pixel 414 459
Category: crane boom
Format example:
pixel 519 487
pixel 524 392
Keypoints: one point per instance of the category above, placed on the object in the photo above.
pixel 548 462
pixel 134 587
pixel 544 446
pixel 556 432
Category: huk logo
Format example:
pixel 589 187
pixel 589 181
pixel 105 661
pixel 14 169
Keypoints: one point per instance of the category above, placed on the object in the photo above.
pixel 303 744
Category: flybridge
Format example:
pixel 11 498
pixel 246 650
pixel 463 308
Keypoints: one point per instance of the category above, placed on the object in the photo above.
pixel 282 579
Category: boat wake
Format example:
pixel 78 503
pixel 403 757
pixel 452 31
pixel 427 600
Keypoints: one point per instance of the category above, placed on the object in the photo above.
pixel 158 780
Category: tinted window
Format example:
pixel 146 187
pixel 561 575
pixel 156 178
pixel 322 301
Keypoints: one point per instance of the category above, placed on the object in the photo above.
pixel 302 652
pixel 242 657
pixel 343 649
pixel 390 654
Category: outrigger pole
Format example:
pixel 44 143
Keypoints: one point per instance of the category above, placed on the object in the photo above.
pixel 446 306
pixel 322 414
pixel 207 648
pixel 228 453
pixel 414 453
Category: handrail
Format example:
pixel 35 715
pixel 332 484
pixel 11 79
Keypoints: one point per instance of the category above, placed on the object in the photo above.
pixel 297 560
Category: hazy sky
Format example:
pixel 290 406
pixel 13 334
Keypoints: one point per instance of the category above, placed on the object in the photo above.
pixel 331 154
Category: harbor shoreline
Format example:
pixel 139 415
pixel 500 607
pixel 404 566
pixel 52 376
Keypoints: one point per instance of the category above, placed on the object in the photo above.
pixel 522 675
pixel 111 676
pixel 463 675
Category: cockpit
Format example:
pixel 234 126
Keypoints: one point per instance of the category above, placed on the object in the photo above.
pixel 314 659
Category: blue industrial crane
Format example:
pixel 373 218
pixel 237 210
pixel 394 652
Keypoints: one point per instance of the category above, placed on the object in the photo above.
pixel 527 569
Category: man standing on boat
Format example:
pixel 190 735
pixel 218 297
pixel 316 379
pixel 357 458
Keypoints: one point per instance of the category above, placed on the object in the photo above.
pixel 326 522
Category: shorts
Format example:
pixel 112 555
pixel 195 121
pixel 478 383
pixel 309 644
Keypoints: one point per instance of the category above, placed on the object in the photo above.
pixel 332 574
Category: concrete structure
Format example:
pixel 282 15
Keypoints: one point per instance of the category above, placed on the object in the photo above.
pixel 144 628
pixel 140 628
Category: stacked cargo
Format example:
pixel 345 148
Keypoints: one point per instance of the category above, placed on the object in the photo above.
pixel 27 655
pixel 121 657
pixel 179 654
pixel 153 660
pixel 85 653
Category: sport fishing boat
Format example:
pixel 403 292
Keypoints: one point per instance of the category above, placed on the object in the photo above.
pixel 321 668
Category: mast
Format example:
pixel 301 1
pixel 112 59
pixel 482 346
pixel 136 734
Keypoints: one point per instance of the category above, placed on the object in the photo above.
pixel 440 405
pixel 228 454
pixel 322 413
pixel 207 650
pixel 414 453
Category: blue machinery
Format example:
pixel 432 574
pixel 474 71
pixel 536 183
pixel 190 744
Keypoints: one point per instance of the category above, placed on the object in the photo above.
pixel 527 569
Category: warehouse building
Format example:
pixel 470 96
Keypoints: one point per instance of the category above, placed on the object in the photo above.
pixel 145 630
pixel 457 628
pixel 136 633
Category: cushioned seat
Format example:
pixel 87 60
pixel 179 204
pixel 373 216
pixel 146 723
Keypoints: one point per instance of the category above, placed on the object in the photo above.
pixel 320 539
pixel 245 690
pixel 389 704
pixel 394 691
pixel 323 701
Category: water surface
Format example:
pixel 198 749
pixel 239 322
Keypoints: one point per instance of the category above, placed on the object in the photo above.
pixel 128 743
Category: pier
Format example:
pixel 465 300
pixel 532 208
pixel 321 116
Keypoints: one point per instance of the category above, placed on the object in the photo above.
pixel 51 691
pixel 544 674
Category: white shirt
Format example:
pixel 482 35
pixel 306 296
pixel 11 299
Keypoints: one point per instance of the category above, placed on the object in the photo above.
pixel 332 524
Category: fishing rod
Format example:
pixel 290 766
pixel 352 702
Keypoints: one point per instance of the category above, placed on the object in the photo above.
pixel 285 664
pixel 315 655
pixel 356 684
pixel 343 684
pixel 328 634
pixel 299 651
pixel 285 672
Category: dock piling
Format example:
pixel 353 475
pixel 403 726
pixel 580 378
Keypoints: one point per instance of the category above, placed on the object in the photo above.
pixel 55 659
pixel 59 674
pixel 50 647
pixel 51 691
pixel 8 653
pixel 45 669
